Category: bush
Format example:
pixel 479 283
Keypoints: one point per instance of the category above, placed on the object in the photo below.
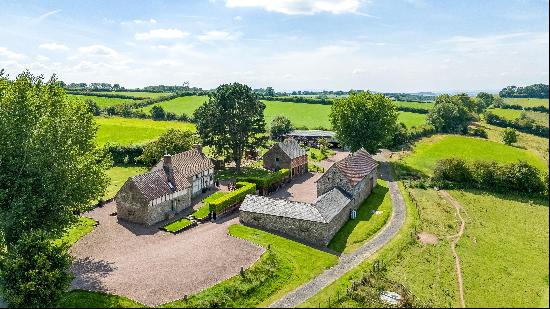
pixel 171 142
pixel 233 197
pixel 509 136
pixel 178 225
pixel 522 124
pixel 34 272
pixel 280 126
pixel 265 181
pixel 125 154
pixel 157 113
pixel 479 132
pixel 453 169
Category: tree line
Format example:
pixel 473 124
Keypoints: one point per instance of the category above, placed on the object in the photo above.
pixel 532 91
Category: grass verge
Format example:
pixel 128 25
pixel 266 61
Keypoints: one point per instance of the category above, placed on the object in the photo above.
pixel 88 299
pixel 178 225
pixel 83 226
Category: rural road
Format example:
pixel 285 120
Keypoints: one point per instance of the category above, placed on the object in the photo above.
pixel 349 261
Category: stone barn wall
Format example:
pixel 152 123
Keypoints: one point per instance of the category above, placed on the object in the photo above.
pixel 131 205
pixel 270 156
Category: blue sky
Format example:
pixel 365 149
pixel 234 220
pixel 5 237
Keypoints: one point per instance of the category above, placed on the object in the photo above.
pixel 400 45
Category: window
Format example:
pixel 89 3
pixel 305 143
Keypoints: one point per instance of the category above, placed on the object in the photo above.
pixel 276 159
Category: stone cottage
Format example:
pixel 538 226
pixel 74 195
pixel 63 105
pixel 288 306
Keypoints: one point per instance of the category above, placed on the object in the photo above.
pixel 287 154
pixel 166 190
pixel 340 190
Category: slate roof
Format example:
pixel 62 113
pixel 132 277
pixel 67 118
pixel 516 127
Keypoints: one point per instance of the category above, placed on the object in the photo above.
pixel 312 133
pixel 356 166
pixel 155 184
pixel 292 148
pixel 188 163
pixel 323 210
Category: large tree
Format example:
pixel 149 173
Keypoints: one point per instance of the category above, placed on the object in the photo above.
pixel 280 126
pixel 365 120
pixel 171 142
pixel 232 121
pixel 50 166
pixel 451 114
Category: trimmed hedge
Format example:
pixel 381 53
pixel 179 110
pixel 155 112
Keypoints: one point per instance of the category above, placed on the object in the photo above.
pixel 178 225
pixel 265 181
pixel 233 197
pixel 519 176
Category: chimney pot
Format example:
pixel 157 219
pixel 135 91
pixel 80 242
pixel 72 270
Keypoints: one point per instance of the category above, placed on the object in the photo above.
pixel 167 161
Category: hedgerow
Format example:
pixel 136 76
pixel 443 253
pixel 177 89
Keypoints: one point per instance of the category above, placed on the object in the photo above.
pixel 265 181
pixel 233 197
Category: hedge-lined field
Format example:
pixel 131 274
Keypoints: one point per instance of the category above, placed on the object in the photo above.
pixel 138 94
pixel 102 101
pixel 182 105
pixel 427 151
pixel 127 131
pixel 512 114
pixel 527 102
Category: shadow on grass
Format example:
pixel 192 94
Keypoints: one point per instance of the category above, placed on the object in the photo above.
pixel 88 299
pixel 403 171
pixel 536 200
pixel 365 212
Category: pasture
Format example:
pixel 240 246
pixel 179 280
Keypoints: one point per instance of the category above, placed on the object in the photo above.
pixel 419 105
pixel 102 101
pixel 512 114
pixel 118 176
pixel 300 114
pixel 527 102
pixel 428 150
pixel 138 94
pixel 127 131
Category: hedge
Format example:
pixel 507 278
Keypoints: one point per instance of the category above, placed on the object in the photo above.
pixel 265 181
pixel 233 197
pixel 526 125
pixel 178 225
pixel 519 176
pixel 542 109
pixel 125 154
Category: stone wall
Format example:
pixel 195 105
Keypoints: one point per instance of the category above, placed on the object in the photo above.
pixel 270 161
pixel 316 233
pixel 330 179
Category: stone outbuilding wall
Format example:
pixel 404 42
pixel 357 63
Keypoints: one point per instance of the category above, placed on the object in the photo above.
pixel 275 159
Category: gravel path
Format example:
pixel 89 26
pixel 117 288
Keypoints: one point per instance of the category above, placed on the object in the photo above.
pixel 154 267
pixel 349 261
pixel 455 239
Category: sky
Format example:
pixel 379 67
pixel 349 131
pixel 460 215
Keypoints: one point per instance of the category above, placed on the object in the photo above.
pixel 380 45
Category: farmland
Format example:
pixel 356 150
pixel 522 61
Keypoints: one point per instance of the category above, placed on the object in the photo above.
pixel 126 131
pixel 118 176
pixel 527 102
pixel 182 105
pixel 418 105
pixel 428 151
pixel 138 94
pixel 102 101
pixel 512 114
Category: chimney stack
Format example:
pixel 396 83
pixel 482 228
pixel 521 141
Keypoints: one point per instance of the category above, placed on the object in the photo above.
pixel 168 169
pixel 167 161
pixel 198 147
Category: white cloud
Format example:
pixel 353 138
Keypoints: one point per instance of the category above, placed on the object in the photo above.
pixel 53 46
pixel 140 21
pixel 48 14
pixel 300 7
pixel 218 36
pixel 10 55
pixel 161 34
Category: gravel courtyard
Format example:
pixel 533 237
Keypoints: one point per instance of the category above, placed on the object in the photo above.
pixel 155 267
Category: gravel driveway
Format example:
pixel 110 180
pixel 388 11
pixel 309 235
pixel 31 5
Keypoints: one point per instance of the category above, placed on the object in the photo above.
pixel 154 267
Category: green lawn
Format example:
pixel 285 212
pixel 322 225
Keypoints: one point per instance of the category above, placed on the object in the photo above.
pixel 177 225
pixel 512 114
pixel 118 176
pixel 412 119
pixel 356 232
pixel 316 155
pixel 139 94
pixel 182 105
pixel 527 102
pixel 284 267
pixel 74 233
pixel 87 299
pixel 428 150
pixel 127 131
pixel 102 101
pixel 504 250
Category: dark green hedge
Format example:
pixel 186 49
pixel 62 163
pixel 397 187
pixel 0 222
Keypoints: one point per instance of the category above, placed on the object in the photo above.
pixel 266 181
pixel 125 154
pixel 233 197
pixel 525 124
pixel 519 176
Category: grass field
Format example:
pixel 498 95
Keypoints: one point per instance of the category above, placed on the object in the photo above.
pixel 527 102
pixel 504 250
pixel 118 176
pixel 139 94
pixel 512 114
pixel 419 105
pixel 356 232
pixel 427 151
pixel 126 131
pixel 300 114
pixel 102 101
pixel 284 267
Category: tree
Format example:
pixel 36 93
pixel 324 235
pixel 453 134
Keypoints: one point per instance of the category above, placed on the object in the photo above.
pixel 451 114
pixel 280 126
pixel 34 273
pixel 509 136
pixel 157 113
pixel 50 168
pixel 269 92
pixel 364 120
pixel 231 121
pixel 485 99
pixel 93 107
pixel 171 142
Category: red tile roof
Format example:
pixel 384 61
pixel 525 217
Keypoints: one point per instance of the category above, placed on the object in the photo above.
pixel 357 166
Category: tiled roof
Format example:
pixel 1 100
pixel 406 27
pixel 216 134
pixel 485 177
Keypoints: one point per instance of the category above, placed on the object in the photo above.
pixel 324 210
pixel 188 163
pixel 292 148
pixel 281 208
pixel 356 166
pixel 331 203
pixel 155 184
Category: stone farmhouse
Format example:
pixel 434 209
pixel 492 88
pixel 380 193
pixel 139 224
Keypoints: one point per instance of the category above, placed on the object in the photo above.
pixel 343 188
pixel 166 189
pixel 287 154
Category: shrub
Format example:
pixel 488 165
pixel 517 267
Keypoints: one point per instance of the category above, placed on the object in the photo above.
pixel 479 132
pixel 280 126
pixel 125 154
pixel 178 225
pixel 157 113
pixel 231 198
pixel 520 176
pixel 522 124
pixel 509 136
pixel 453 169
pixel 266 181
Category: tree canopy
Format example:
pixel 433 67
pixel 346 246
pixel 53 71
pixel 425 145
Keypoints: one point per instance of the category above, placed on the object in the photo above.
pixel 171 142
pixel 280 126
pixel 364 120
pixel 531 91
pixel 452 114
pixel 232 121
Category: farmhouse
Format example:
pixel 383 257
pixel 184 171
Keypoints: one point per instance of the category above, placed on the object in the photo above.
pixel 340 190
pixel 167 189
pixel 287 154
